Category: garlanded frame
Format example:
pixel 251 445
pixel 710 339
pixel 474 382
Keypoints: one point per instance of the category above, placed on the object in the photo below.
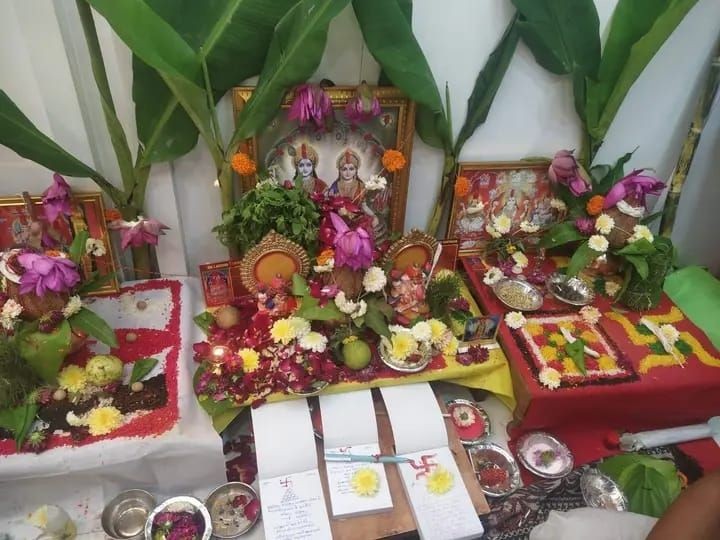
pixel 416 247
pixel 275 255
pixel 393 128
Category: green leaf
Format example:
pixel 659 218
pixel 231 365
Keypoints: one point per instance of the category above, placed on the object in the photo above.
pixel 639 247
pixel 141 368
pixel 310 309
pixel 560 234
pixel 45 352
pixel 647 220
pixel 598 173
pixel 95 282
pixel 582 257
pixel 487 83
pixel 77 248
pixel 683 347
pixel 204 320
pixel 637 31
pixel 616 172
pixel 19 420
pixel 376 321
pixel 640 263
pixel 576 351
pixel 299 285
pixel 381 305
pixel 293 56
pixel 93 325
pixel 389 37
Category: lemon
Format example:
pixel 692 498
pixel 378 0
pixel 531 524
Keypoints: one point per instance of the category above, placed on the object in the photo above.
pixel 356 354
pixel 103 369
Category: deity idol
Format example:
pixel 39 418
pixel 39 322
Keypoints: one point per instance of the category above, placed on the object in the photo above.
pixel 305 161
pixel 407 293
pixel 348 184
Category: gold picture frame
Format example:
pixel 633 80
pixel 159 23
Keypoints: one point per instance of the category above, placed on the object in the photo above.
pixel 275 255
pixel 415 248
pixel 393 128
pixel 88 213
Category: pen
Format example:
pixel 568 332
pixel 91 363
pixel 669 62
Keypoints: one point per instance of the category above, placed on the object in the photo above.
pixel 378 458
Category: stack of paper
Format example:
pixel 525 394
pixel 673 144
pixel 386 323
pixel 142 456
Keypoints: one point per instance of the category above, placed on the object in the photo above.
pixel 291 496
pixel 350 427
pixel 420 434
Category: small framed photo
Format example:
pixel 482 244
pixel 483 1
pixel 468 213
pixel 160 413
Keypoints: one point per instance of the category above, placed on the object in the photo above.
pixel 481 330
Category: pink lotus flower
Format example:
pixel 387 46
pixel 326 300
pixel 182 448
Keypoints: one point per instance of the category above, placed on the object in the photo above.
pixel 363 107
pixel 564 169
pixel 353 248
pixel 43 273
pixel 56 199
pixel 635 184
pixel 139 232
pixel 310 103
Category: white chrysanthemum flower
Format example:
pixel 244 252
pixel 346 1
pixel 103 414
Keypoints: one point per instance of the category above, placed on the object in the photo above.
pixel 72 307
pixel 374 279
pixel 515 320
pixel 604 224
pixel 376 182
pixel 520 259
pixel 550 377
pixel 11 309
pixel 641 232
pixel 612 288
pixel 526 226
pixel 558 204
pixel 463 415
pixel 95 247
pixel 670 333
pixel 314 341
pixel 502 223
pixel 74 420
pixel 343 304
pixel 492 231
pixel 329 266
pixel 598 243
pixel 438 332
pixel 590 314
pixel 493 275
pixel 422 331
pixel 360 310
pixel 301 327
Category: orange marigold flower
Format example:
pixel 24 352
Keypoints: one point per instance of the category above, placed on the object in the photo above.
pixel 112 214
pixel 462 186
pixel 243 164
pixel 325 256
pixel 393 160
pixel 595 205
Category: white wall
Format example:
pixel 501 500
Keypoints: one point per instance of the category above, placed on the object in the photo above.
pixel 532 114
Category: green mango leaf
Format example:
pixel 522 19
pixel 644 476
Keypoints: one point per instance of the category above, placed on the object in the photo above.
pixel 381 305
pixel 299 285
pixel 582 257
pixel 562 233
pixel 389 37
pixel 640 263
pixel 93 325
pixel 616 173
pixel 77 248
pixel 311 310
pixel 293 56
pixel 377 322
pixel 204 320
pixel 487 84
pixel 141 368
pixel 20 135
pixel 18 420
pixel 576 351
pixel 598 173
pixel 637 31
pixel 639 247
pixel 45 352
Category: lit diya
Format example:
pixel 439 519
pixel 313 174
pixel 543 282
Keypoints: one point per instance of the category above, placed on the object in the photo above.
pixel 471 422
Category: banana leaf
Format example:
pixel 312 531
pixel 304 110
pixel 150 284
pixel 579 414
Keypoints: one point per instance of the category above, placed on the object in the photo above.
pixel 637 31
pixel 389 37
pixel 294 54
pixel 232 37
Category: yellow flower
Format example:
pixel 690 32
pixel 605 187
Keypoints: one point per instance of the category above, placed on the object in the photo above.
pixel 250 358
pixel 349 339
pixel 605 363
pixel 589 337
pixel 567 325
pixel 73 379
pixel 558 339
pixel 548 353
pixel 283 331
pixel 440 481
pixel 534 329
pixel 365 482
pixel 243 164
pixel 550 377
pixel 103 420
pixel 451 348
pixel 569 366
pixel 511 249
pixel 437 331
pixel 403 344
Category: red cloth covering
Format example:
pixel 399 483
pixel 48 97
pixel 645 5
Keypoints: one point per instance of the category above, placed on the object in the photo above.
pixel 584 413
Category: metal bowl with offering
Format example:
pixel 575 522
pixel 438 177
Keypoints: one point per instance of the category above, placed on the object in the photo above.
pixel 544 455
pixel 518 294
pixel 601 491
pixel 234 509
pixel 571 290
pixel 495 468
pixel 185 512
pixel 471 422
pixel 125 515
pixel 413 364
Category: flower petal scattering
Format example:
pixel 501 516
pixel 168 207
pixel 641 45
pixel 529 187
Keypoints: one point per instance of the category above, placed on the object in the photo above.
pixel 365 482
pixel 56 199
pixel 598 243
pixel 564 169
pixel 243 164
pixel 364 106
pixel 138 232
pixel 44 273
pixel 515 320
pixel 393 160
pixel 310 104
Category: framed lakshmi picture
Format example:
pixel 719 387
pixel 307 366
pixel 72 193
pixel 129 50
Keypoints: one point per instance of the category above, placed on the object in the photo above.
pixel 88 213
pixel 346 154
pixel 520 190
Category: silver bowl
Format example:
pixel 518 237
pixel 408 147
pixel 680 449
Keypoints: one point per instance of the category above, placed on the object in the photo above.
pixel 415 367
pixel 124 517
pixel 479 411
pixel 573 291
pixel 313 390
pixel 600 491
pixel 510 290
pixel 228 521
pixel 180 504
pixel 560 463
pixel 493 456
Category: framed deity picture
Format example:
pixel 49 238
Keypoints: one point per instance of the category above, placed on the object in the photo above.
pixel 520 190
pixel 88 213
pixel 481 330
pixel 345 155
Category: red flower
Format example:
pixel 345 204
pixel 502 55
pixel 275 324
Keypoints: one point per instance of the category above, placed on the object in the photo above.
pixel 201 351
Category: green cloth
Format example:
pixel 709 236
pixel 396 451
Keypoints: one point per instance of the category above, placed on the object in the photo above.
pixel 697 293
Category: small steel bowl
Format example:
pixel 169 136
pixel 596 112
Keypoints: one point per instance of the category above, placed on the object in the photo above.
pixel 228 521
pixel 493 456
pixel 313 390
pixel 506 288
pixel 403 368
pixel 124 517
pixel 573 291
pixel 562 461
pixel 479 411
pixel 180 504
pixel 601 491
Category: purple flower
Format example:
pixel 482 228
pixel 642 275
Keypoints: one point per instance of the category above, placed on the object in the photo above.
pixel 139 232
pixel 363 107
pixel 43 273
pixel 564 169
pixel 353 248
pixel 310 103
pixel 635 184
pixel 56 198
pixel 586 226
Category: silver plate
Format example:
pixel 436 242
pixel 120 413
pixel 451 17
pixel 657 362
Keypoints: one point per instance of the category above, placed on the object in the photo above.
pixel 506 288
pixel 228 521
pixel 491 455
pixel 600 491
pixel 124 517
pixel 314 389
pixel 573 291
pixel 480 411
pixel 562 462
pixel 403 368
pixel 180 504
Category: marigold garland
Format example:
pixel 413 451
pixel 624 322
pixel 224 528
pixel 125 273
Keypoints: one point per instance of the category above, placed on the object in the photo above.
pixel 595 205
pixel 462 186
pixel 243 164
pixel 393 160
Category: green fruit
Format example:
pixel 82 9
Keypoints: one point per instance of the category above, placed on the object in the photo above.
pixel 356 354
pixel 103 369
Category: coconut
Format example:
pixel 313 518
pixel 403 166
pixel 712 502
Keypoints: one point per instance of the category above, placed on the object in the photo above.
pixel 624 221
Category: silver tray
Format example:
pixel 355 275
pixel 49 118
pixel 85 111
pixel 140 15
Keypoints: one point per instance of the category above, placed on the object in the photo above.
pixel 228 521
pixel 479 410
pixel 402 368
pixel 495 456
pixel 573 291
pixel 601 491
pixel 563 461
pixel 180 504
pixel 504 288
pixel 124 517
